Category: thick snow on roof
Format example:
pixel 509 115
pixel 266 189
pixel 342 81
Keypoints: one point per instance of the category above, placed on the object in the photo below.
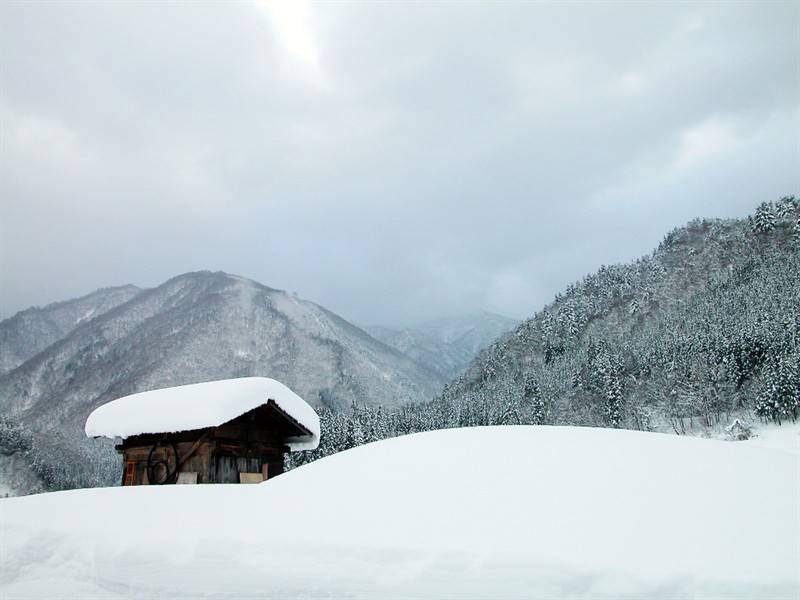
pixel 557 512
pixel 200 405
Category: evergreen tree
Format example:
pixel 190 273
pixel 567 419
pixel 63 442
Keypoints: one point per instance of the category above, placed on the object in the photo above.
pixel 779 399
pixel 533 398
pixel 764 220
pixel 785 207
pixel 612 383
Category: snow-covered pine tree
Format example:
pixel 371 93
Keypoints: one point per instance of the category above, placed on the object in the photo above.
pixel 788 385
pixel 533 399
pixel 353 435
pixel 785 207
pixel 613 394
pixel 779 398
pixel 764 220
pixel 606 376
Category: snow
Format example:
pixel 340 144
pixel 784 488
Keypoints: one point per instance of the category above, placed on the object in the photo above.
pixel 501 512
pixel 200 405
pixel 86 316
pixel 785 437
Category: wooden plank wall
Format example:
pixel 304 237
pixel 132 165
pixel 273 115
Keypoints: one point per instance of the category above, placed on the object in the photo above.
pixel 251 443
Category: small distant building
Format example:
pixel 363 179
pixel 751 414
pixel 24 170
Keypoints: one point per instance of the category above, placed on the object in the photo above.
pixel 229 431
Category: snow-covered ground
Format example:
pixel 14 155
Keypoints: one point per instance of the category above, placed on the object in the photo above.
pixel 503 512
pixel 784 437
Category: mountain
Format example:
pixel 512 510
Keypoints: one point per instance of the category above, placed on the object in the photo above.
pixel 195 327
pixel 701 333
pixel 446 345
pixel 706 326
pixel 30 331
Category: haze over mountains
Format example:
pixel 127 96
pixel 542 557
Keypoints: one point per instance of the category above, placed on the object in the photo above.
pixel 445 345
pixel 65 359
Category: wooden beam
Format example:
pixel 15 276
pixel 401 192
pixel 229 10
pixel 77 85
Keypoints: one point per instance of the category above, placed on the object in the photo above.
pixel 192 450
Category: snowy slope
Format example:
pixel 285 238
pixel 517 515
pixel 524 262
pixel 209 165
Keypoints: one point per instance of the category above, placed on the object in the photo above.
pixel 785 438
pixel 505 512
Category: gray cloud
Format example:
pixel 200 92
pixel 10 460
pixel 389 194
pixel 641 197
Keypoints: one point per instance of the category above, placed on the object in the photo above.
pixel 392 162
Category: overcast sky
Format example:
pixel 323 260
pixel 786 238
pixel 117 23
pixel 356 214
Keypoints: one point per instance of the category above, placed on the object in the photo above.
pixel 392 162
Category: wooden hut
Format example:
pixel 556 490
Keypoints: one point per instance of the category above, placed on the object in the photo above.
pixel 230 431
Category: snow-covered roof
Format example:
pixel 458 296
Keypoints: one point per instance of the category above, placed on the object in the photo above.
pixel 201 405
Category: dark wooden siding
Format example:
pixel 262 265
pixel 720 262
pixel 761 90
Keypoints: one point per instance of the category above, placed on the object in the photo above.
pixel 229 467
pixel 255 442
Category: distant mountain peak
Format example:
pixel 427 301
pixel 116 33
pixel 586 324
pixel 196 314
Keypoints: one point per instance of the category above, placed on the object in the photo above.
pixel 446 344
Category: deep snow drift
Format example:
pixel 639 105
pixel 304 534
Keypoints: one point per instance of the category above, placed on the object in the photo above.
pixel 503 512
pixel 785 438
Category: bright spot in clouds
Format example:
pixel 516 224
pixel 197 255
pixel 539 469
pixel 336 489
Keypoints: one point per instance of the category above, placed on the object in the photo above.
pixel 291 23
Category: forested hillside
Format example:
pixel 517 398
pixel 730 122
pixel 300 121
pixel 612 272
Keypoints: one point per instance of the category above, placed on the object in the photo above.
pixel 704 328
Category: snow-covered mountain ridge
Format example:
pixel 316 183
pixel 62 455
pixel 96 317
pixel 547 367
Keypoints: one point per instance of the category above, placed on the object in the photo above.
pixel 30 331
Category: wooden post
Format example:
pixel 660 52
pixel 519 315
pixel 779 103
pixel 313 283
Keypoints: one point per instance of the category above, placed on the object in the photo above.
pixel 130 473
